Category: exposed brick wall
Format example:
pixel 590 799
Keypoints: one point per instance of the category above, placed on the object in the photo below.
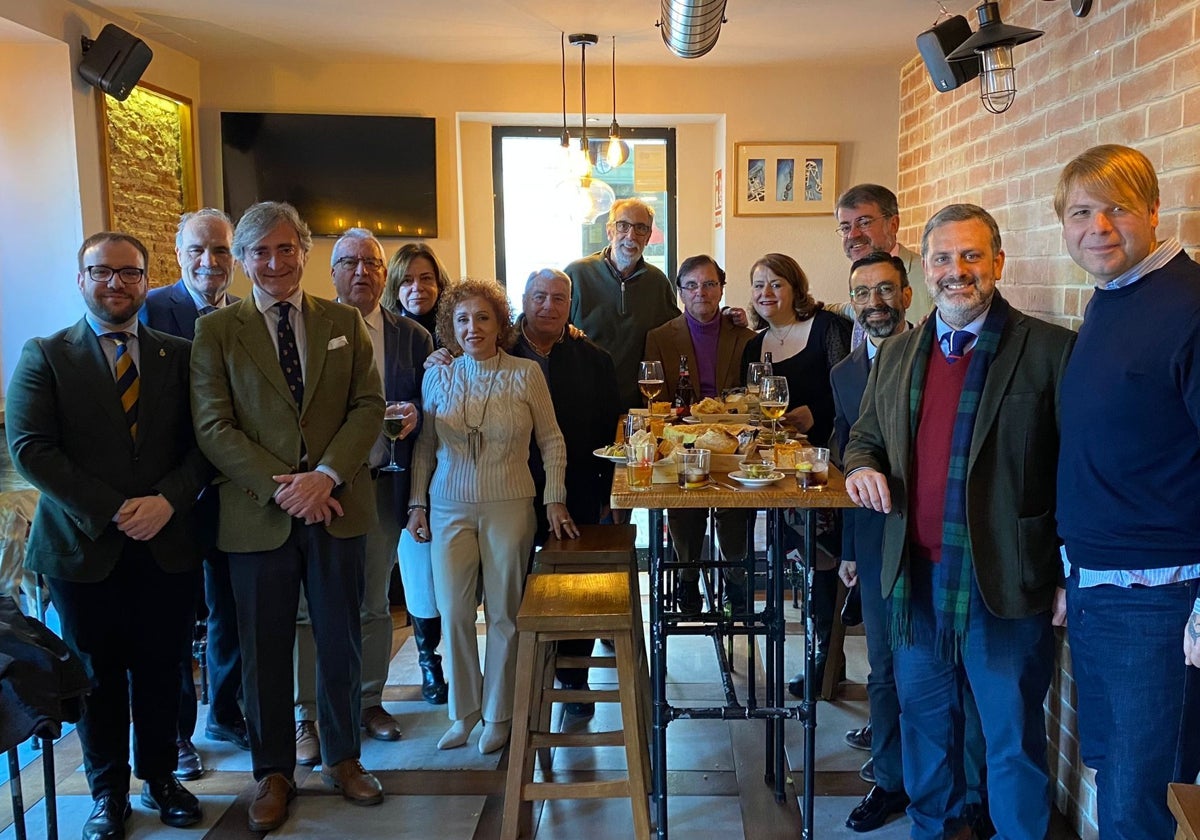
pixel 145 176
pixel 1128 73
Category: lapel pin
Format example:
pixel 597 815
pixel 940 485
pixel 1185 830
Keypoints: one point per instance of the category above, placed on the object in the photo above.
pixel 162 353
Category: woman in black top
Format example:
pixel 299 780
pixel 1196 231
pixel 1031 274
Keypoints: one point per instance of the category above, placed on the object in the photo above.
pixel 416 279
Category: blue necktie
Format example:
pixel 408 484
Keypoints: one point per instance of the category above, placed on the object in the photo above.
pixel 959 339
pixel 289 355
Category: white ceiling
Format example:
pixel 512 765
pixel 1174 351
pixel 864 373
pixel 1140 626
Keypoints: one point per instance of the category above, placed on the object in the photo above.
pixel 527 31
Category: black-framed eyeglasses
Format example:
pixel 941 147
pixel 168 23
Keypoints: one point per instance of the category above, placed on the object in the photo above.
pixel 640 228
pixel 862 294
pixel 351 263
pixel 860 224
pixel 129 275
pixel 693 286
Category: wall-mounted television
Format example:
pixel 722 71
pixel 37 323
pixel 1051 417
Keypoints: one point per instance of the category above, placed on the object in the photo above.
pixel 379 173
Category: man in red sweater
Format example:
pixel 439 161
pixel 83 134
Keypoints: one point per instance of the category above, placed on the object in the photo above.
pixel 957 439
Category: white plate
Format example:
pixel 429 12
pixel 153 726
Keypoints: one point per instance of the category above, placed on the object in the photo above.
pixel 745 480
pixel 718 418
pixel 616 459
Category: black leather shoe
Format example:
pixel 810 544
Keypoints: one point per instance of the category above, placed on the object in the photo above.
pixel 875 809
pixel 175 805
pixel 687 597
pixel 867 771
pixel 233 733
pixel 107 821
pixel 190 766
pixel 859 739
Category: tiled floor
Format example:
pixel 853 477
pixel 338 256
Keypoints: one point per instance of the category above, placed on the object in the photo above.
pixel 715 778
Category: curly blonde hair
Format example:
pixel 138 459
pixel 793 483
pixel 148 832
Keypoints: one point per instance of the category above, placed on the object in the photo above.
pixel 468 288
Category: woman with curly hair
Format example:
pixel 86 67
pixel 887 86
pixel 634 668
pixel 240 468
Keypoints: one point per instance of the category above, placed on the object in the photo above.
pixel 472 498
pixel 805 341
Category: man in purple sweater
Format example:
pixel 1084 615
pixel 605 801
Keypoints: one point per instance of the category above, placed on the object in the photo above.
pixel 1129 493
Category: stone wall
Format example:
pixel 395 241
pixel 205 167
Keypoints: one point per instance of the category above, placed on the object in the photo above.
pixel 146 175
pixel 1128 73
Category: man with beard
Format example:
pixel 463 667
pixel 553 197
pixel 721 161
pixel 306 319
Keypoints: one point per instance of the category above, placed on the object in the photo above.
pixel 98 421
pixel 203 248
pixel 617 297
pixel 880 293
pixel 959 432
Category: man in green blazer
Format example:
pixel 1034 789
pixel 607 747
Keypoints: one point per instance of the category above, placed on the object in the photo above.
pixel 98 420
pixel 957 442
pixel 287 403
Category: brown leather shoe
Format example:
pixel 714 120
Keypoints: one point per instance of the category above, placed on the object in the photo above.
pixel 269 810
pixel 308 743
pixel 379 724
pixel 355 783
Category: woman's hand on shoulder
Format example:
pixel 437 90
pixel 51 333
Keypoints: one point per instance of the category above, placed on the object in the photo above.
pixel 438 357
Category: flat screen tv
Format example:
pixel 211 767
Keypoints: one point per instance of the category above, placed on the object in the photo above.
pixel 379 173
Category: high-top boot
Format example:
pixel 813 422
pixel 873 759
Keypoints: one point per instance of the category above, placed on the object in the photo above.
pixel 427 633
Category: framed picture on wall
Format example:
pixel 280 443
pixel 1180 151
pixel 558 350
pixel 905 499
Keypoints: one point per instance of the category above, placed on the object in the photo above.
pixel 785 179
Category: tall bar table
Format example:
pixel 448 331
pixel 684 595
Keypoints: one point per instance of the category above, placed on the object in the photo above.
pixel 769 623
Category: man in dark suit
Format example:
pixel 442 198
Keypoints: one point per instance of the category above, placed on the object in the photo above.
pixel 400 347
pixel 287 403
pixel 713 346
pixel 203 247
pixel 958 440
pixel 98 420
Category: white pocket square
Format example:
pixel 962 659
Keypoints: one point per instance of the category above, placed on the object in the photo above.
pixel 335 343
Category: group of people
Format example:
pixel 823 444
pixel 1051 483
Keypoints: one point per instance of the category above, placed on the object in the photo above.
pixel 1010 474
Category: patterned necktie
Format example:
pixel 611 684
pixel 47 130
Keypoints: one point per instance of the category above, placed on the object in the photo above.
pixel 289 355
pixel 128 385
pixel 208 310
pixel 959 339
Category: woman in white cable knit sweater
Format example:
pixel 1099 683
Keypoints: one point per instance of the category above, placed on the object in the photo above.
pixel 472 498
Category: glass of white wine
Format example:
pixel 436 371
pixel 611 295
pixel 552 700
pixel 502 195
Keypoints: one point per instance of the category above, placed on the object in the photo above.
pixel 773 400
pixel 393 425
pixel 650 381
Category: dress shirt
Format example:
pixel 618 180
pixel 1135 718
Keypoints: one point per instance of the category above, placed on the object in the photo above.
pixel 201 303
pixel 266 305
pixel 109 346
pixel 944 330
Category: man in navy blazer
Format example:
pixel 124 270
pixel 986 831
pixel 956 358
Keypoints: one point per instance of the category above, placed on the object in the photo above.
pixel 401 346
pixel 203 247
pixel 98 420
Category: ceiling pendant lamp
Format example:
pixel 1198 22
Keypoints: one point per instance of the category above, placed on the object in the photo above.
pixel 618 151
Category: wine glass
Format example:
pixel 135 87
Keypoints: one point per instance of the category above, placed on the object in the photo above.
pixel 755 371
pixel 393 425
pixel 773 400
pixel 650 381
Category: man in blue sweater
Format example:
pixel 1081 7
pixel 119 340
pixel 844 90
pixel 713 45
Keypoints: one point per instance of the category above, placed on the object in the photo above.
pixel 1129 492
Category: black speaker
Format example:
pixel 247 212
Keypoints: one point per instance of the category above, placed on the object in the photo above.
pixel 114 61
pixel 937 43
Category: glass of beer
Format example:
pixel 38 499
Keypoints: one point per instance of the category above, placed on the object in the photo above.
pixel 639 465
pixel 650 381
pixel 694 468
pixel 812 467
pixel 773 400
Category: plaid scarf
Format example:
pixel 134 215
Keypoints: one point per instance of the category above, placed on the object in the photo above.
pixel 951 576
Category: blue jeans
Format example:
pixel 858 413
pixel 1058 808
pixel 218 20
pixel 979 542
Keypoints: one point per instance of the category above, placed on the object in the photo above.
pixel 1138 703
pixel 1007 663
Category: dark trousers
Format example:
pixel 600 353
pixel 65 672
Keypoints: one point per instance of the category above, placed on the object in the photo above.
pixel 223 654
pixel 1007 662
pixel 266 588
pixel 1138 703
pixel 129 630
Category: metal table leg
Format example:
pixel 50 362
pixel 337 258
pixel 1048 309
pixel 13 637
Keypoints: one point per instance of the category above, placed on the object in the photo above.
pixel 48 785
pixel 809 717
pixel 18 800
pixel 658 674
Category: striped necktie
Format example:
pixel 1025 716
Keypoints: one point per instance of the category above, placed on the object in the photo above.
pixel 128 385
pixel 958 341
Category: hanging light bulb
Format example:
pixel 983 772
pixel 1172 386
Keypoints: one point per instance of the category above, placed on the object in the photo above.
pixel 599 198
pixel 617 152
pixel 993 42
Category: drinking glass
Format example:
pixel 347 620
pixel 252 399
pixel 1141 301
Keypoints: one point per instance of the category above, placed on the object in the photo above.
pixel 393 425
pixel 812 468
pixel 693 468
pixel 650 381
pixel 639 465
pixel 773 400
pixel 755 371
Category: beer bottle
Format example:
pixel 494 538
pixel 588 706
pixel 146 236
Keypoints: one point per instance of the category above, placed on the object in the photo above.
pixel 684 395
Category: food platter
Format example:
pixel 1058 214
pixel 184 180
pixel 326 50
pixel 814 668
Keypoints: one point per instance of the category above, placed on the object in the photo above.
pixel 602 453
pixel 717 418
pixel 746 481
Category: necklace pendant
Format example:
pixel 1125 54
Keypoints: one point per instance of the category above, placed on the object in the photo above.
pixel 473 441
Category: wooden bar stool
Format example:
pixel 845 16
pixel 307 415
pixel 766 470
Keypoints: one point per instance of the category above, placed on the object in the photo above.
pixel 558 607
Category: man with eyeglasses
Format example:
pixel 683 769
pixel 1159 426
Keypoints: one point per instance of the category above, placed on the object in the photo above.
pixel 400 347
pixel 98 420
pixel 203 249
pixel 617 297
pixel 713 346
pixel 868 220
pixel 287 403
